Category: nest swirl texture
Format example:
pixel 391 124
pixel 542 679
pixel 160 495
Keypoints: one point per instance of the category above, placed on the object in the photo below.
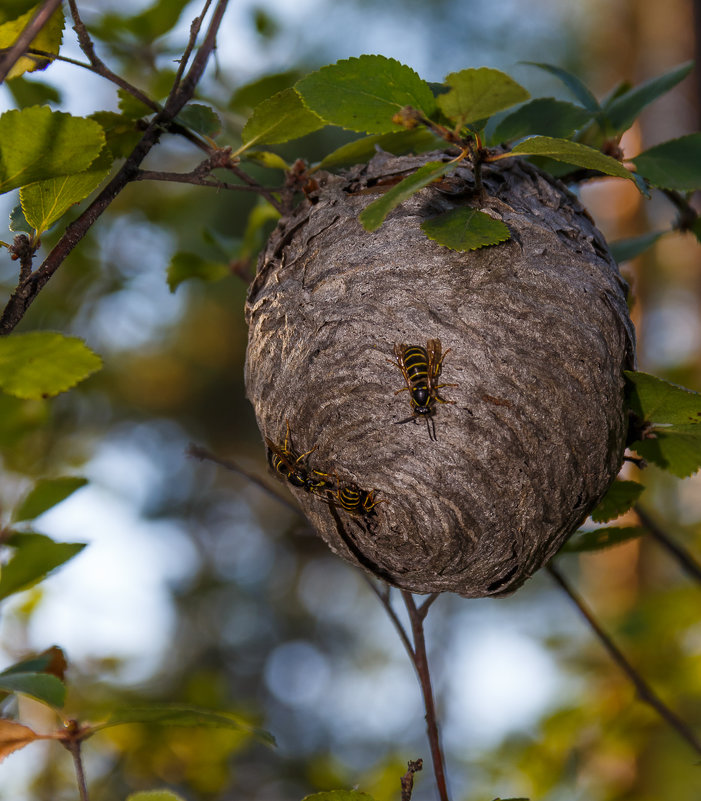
pixel 538 332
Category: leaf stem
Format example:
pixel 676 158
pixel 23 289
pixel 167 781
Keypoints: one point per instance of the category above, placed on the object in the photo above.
pixel 36 23
pixel 644 690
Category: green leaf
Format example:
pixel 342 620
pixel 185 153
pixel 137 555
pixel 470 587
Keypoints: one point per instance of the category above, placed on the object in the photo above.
pixel 279 119
pixel 176 715
pixel 696 228
pixel 545 116
pixel 578 89
pixel 654 400
pixel 267 159
pixel 42 364
pixel 10 9
pixel 363 94
pixel 34 558
pixel 48 39
pixel 339 795
pixel 248 96
pixel 184 266
pixel 121 132
pixel 627 249
pixel 46 494
pixel 256 231
pixel 18 418
pixel 155 795
pixel 620 498
pixel 131 107
pixel 476 94
pixel 417 140
pixel 572 153
pixel 373 216
pixel 200 118
pixel 44 202
pixel 37 143
pixel 32 93
pixel 672 439
pixel 622 110
pixel 156 20
pixel 18 221
pixel 675 164
pixel 41 686
pixel 465 229
pixel 602 538
pixel 52 661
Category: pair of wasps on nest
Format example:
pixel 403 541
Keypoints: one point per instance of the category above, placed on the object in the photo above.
pixel 421 368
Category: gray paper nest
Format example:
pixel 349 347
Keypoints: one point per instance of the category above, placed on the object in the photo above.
pixel 539 335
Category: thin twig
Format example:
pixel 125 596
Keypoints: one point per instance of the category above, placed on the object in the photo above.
pixel 385 600
pixel 645 692
pixel 35 24
pixel 685 559
pixel 198 452
pixel 196 179
pixel 421 664
pixel 72 741
pixel 195 28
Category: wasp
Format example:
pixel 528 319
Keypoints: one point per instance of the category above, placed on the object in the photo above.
pixel 292 466
pixel 421 368
pixel 353 499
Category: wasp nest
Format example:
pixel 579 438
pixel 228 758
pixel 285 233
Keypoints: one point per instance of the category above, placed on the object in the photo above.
pixel 534 428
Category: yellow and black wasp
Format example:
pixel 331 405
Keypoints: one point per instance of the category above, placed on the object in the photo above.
pixel 293 467
pixel 353 499
pixel 421 368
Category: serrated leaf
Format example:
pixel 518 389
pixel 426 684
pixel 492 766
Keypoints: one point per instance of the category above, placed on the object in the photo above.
pixel 32 93
pixel 251 94
pixel 121 133
pixel 476 94
pixel 676 448
pixel 572 153
pixel 155 795
pixel 363 94
pixel 279 119
pixel 46 494
pixel 41 686
pixel 417 140
pixel 42 364
pixel 267 159
pixel 48 39
pixel 545 116
pixel 655 400
pixel 622 110
pixel 200 118
pixel 620 497
pixel 627 249
pixel 675 164
pixel 37 143
pixel 14 736
pixel 578 89
pixel 602 538
pixel 176 715
pixel 18 221
pixel 339 795
pixel 373 216
pixel 34 558
pixel 44 202
pixel 465 229
pixel 184 266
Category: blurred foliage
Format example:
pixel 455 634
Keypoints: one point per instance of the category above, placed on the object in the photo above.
pixel 267 624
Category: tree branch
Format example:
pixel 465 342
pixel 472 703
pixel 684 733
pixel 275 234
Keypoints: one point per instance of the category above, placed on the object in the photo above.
pixel 685 559
pixel 645 692
pixel 27 290
pixel 35 24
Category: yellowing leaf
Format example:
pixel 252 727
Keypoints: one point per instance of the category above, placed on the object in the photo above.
pixel 14 736
pixel 478 93
pixel 42 364
pixel 48 39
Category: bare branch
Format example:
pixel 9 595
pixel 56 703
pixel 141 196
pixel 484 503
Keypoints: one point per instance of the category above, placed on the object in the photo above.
pixel 645 692
pixel 198 179
pixel 385 600
pixel 194 33
pixel 422 670
pixel 35 24
pixel 685 559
